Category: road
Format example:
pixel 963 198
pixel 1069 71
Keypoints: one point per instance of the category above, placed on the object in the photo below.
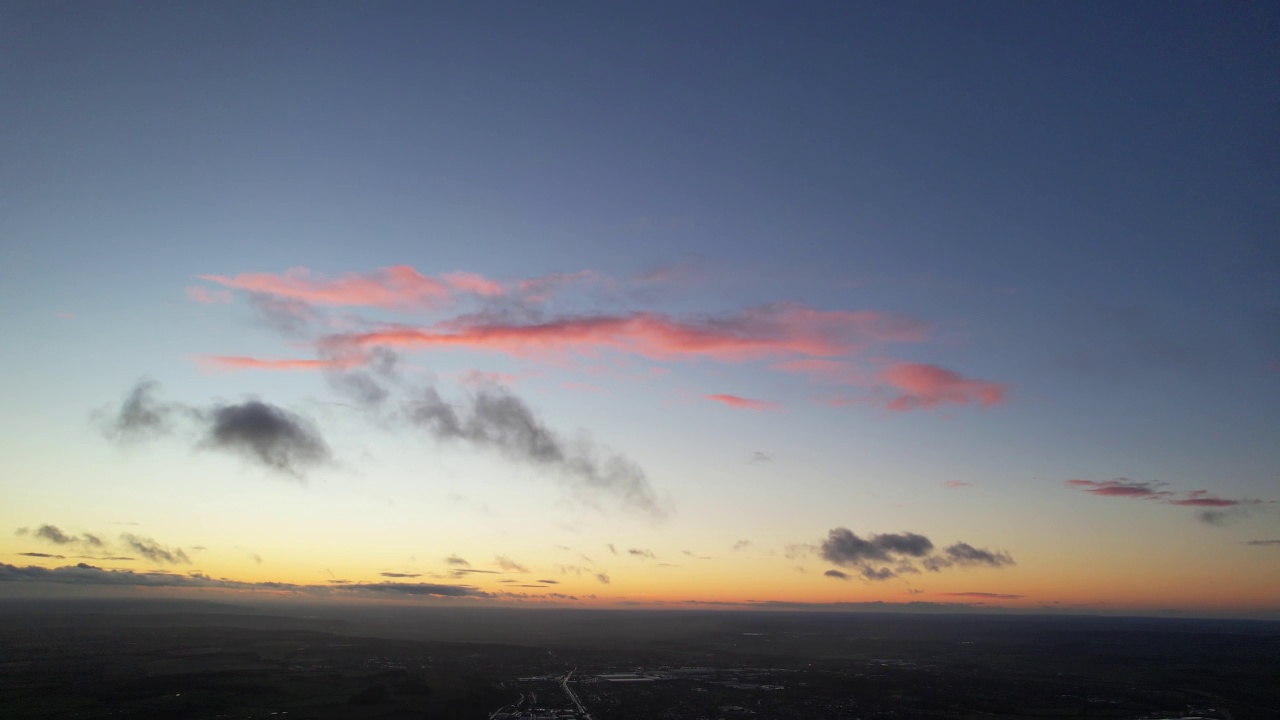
pixel 564 683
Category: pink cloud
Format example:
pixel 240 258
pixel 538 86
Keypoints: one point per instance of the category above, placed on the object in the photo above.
pixel 398 286
pixel 1121 487
pixel 1213 509
pixel 742 403
pixel 928 386
pixel 779 330
pixel 206 296
pixel 473 283
pixel 957 484
pixel 1203 498
pixel 234 362
pixel 65 315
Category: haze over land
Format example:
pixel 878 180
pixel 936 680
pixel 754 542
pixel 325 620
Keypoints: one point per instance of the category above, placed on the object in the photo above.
pixel 751 306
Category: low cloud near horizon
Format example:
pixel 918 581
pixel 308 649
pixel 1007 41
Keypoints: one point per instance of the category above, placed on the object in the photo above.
pixel 889 555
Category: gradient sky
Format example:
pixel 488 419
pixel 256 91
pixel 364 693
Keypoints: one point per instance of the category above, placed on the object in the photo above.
pixel 662 302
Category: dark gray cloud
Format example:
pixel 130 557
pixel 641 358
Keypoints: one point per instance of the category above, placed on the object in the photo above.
pixel 51 533
pixel 510 565
pixel 1223 516
pixel 288 316
pixel 400 575
pixel 1262 542
pixel 154 551
pixel 641 553
pixel 603 577
pixel 984 595
pixel 43 555
pixel 85 574
pixel 370 385
pixel 260 432
pixel 846 549
pixel 966 554
pixel 266 434
pixel 836 574
pixel 612 549
pixel 495 419
pixel 843 547
pixel 456 561
pixel 463 572
pixel 549 582
pixel 431 589
pixel 877 574
pixel 140 416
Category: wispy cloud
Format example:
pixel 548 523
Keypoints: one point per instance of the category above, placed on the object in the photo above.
pixel 771 331
pixel 154 551
pixel 85 574
pixel 984 595
pixel 205 296
pixel 510 565
pixel 1121 487
pixel 741 403
pixel 144 546
pixel 53 534
pixel 260 432
pixel 494 418
pixel 1213 509
pixel 240 362
pixel 396 287
pixel 964 554
pixel 929 386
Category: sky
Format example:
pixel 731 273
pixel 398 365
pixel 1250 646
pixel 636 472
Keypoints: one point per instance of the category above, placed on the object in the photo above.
pixel 813 305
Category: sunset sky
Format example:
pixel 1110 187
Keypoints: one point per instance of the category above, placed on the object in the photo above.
pixel 658 304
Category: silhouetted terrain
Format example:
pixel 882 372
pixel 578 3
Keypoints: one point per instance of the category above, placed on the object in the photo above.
pixel 174 659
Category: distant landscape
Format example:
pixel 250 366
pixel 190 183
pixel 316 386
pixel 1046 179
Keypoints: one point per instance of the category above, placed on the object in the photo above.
pixel 190 659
